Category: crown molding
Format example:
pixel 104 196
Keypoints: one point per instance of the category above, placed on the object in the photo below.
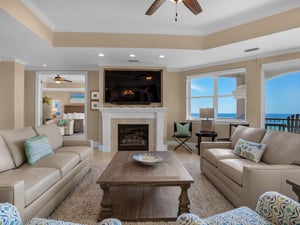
pixel 37 11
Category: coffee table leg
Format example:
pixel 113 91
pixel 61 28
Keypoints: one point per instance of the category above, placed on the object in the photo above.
pixel 184 201
pixel 106 206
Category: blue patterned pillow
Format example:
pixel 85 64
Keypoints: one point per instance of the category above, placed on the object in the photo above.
pixel 9 214
pixel 249 150
pixel 37 148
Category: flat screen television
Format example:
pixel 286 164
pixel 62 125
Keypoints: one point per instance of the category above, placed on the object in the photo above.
pixel 132 86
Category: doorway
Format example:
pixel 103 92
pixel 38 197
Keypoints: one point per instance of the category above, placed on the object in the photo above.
pixel 62 100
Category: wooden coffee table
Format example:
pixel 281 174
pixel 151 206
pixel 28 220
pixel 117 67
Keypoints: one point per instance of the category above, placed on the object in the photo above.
pixel 136 192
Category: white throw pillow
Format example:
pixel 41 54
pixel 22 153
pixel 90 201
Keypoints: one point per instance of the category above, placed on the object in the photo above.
pixel 249 150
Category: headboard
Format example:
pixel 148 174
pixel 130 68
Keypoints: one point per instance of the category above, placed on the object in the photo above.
pixel 73 108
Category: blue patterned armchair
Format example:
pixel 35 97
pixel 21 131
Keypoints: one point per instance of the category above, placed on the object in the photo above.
pixel 272 208
pixel 9 215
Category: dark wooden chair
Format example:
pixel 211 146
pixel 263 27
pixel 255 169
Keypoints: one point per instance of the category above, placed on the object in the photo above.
pixel 181 137
pixel 232 127
pixel 293 123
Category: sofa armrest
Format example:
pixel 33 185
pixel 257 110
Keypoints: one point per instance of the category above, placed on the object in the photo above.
pixel 189 219
pixel 258 179
pixel 77 143
pixel 12 191
pixel 278 208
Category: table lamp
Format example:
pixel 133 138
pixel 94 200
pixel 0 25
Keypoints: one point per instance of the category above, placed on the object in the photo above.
pixel 209 114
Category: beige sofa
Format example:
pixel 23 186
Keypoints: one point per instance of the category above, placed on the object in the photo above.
pixel 37 189
pixel 242 180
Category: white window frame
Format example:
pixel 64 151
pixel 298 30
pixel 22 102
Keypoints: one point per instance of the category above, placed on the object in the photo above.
pixel 215 96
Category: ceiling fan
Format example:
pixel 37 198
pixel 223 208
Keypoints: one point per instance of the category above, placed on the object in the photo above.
pixel 192 5
pixel 58 79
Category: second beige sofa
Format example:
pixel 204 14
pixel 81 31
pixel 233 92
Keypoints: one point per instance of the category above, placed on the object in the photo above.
pixel 242 180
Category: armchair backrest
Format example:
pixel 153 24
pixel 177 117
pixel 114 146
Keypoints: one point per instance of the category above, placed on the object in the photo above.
pixel 278 209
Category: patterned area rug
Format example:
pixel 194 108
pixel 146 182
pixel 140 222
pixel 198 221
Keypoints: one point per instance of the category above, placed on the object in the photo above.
pixel 83 203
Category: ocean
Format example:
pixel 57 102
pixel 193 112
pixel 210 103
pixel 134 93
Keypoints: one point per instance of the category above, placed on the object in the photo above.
pixel 233 115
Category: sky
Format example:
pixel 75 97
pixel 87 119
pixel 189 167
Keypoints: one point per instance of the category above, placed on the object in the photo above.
pixel 283 94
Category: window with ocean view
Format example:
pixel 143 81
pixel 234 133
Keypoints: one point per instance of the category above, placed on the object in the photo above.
pixel 282 98
pixel 224 91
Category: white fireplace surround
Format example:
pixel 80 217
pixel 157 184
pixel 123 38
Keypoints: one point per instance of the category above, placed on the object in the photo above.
pixel 156 113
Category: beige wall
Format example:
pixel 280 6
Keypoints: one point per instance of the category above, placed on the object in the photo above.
pixel 11 95
pixel 30 91
pixel 174 94
pixel 93 124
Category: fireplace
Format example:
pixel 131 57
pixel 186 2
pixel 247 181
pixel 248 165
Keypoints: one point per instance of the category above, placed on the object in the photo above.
pixel 133 137
pixel 112 116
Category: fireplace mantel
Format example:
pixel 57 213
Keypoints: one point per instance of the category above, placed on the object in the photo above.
pixel 156 113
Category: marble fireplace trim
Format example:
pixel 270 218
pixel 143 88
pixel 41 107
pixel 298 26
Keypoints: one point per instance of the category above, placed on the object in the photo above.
pixel 152 116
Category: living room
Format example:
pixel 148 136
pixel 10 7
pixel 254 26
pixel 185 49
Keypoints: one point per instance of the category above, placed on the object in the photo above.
pixel 37 38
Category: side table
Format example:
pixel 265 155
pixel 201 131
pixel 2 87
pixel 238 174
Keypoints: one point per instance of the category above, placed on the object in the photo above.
pixel 200 134
pixel 296 188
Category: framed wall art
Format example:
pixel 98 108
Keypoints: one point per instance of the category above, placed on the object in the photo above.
pixel 94 105
pixel 94 95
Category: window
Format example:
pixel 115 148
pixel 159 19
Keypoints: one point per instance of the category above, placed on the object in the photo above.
pixel 224 91
pixel 282 95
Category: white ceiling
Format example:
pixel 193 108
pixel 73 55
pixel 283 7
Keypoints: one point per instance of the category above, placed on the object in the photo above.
pixel 119 16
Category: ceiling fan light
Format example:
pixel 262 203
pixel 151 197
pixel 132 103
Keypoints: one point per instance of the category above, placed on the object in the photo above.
pixel 58 81
pixel 176 1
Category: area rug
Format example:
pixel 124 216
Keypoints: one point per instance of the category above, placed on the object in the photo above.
pixel 83 203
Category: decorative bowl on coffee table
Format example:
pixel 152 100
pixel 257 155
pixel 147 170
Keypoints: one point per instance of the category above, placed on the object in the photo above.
pixel 147 158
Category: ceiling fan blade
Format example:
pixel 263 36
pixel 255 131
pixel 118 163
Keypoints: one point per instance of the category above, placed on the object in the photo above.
pixel 66 80
pixel 193 5
pixel 156 4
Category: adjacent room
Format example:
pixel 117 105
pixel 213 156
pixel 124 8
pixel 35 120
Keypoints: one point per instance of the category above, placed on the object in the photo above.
pixel 147 112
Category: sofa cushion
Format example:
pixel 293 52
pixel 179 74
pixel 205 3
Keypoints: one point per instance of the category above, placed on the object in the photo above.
pixel 282 147
pixel 53 134
pixel 37 148
pixel 37 180
pixel 249 150
pixel 233 168
pixel 82 151
pixel 64 161
pixel 6 161
pixel 14 140
pixel 213 155
pixel 247 133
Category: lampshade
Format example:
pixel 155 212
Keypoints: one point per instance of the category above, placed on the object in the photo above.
pixel 207 113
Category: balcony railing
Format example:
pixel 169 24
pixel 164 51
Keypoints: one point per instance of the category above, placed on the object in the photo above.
pixel 276 124
pixel 289 124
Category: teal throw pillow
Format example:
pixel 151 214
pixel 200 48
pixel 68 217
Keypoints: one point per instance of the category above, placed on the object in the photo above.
pixel 37 148
pixel 183 129
pixel 249 150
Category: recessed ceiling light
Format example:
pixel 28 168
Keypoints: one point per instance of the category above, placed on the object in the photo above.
pixel 162 56
pixel 101 55
pixel 251 49
pixel 132 55
pixel 44 65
